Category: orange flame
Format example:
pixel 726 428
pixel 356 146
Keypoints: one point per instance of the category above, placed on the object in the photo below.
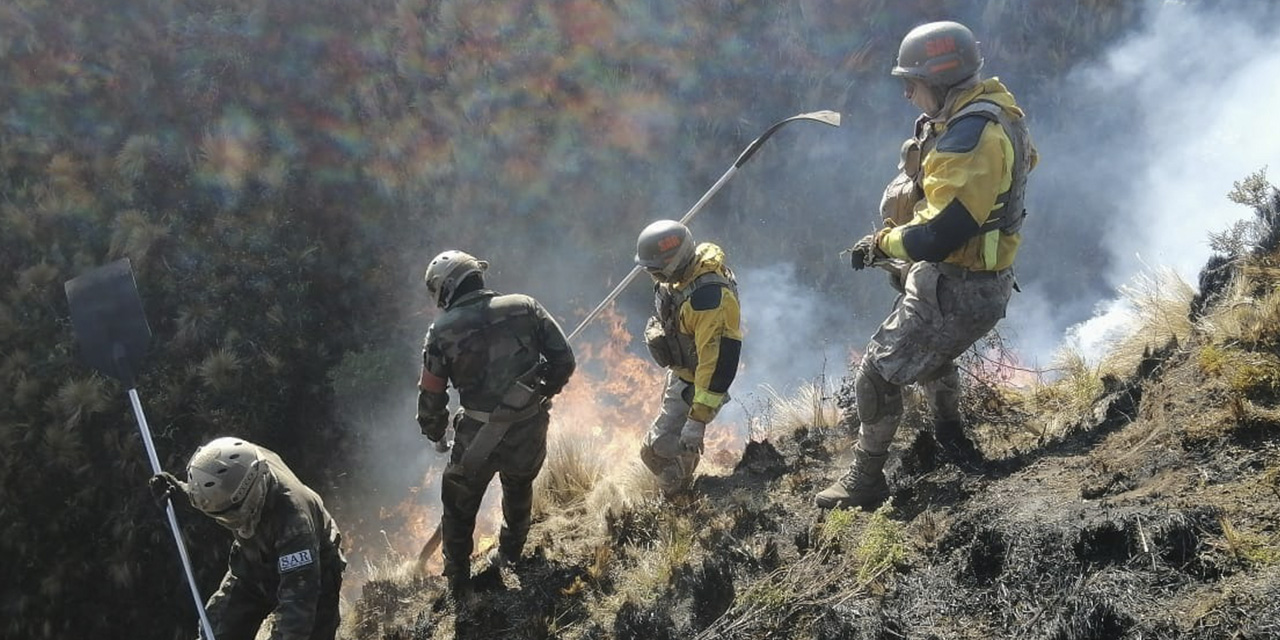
pixel 609 403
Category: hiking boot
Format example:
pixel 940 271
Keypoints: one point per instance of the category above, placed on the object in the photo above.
pixel 863 486
pixel 954 444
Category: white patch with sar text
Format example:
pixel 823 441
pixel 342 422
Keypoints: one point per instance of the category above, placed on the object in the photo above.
pixel 295 560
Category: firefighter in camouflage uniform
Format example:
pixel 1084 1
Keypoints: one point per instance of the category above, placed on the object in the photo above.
pixel 506 357
pixel 952 221
pixel 695 334
pixel 286 559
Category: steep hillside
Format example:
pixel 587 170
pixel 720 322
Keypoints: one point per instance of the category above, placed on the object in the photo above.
pixel 1133 505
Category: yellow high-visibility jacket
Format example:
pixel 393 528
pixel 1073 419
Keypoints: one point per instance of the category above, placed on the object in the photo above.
pixel 966 178
pixel 710 315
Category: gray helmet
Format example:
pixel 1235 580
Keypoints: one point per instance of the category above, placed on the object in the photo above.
pixel 940 54
pixel 447 271
pixel 664 249
pixel 226 479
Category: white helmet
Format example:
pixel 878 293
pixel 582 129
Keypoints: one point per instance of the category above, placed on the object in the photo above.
pixel 447 271
pixel 664 249
pixel 227 480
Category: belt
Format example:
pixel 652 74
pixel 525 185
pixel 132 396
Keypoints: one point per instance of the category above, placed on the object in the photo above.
pixel 961 273
pixel 502 416
pixel 489 435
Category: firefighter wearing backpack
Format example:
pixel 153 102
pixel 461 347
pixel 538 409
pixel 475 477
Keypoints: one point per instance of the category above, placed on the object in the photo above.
pixel 952 221
pixel 506 357
pixel 695 334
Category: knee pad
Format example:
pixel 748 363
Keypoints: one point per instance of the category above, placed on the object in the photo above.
pixel 877 398
pixel 942 390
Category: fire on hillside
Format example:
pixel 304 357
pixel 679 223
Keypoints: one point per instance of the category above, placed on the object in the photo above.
pixel 607 406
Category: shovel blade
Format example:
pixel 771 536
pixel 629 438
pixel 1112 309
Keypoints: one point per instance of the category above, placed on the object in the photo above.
pixel 110 325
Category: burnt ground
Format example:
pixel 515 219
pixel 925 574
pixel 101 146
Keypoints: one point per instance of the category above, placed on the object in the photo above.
pixel 1153 515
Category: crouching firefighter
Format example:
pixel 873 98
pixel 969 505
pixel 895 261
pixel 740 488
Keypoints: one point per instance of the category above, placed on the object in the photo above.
pixel 506 357
pixel 695 334
pixel 285 560
pixel 953 220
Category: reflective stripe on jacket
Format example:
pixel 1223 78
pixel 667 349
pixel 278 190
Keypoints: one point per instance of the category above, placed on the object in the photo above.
pixel 966 177
pixel 711 317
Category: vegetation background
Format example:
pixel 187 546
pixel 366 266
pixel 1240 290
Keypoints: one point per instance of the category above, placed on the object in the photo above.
pixel 279 173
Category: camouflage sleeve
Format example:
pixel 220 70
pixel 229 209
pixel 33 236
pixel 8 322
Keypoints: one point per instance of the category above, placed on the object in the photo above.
pixel 232 611
pixel 555 348
pixel 298 563
pixel 433 400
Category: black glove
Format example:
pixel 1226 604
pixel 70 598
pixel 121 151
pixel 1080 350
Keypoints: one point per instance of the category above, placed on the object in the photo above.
pixel 544 390
pixel 431 427
pixel 864 253
pixel 164 485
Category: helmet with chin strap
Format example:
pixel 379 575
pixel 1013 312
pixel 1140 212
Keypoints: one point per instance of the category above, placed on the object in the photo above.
pixel 939 54
pixel 227 480
pixel 447 270
pixel 664 249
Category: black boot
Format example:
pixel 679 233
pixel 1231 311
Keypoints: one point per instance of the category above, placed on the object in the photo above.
pixel 954 444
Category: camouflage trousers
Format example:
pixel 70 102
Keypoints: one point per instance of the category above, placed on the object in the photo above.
pixel 661 451
pixel 517 459
pixel 942 312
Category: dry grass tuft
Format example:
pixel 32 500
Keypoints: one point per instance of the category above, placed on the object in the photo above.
pixel 133 236
pixel 132 159
pixel 1244 318
pixel 813 406
pixel 220 370
pixel 572 469
pixel 1161 303
pixel 1056 404
pixel 77 399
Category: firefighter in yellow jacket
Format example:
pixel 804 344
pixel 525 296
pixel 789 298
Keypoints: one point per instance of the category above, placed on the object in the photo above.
pixel 695 334
pixel 952 230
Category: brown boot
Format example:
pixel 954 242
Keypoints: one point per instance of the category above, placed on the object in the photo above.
pixel 863 486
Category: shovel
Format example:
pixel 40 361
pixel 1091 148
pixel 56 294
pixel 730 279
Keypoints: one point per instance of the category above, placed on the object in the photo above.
pixel 112 331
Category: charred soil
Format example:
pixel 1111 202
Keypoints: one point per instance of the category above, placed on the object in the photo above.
pixel 1152 516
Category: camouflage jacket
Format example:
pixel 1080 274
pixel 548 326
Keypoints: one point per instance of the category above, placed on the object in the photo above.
pixel 483 343
pixel 293 555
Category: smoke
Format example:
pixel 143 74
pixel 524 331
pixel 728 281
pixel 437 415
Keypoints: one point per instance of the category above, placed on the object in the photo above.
pixel 1138 145
pixel 1153 136
pixel 792 335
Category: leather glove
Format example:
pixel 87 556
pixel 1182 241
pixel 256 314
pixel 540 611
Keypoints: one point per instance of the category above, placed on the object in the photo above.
pixel 164 485
pixel 865 252
pixel 691 435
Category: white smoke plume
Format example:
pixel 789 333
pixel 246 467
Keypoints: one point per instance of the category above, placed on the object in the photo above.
pixel 1196 90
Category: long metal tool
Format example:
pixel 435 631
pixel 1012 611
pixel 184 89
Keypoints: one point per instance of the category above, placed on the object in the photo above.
pixel 113 334
pixel 825 117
